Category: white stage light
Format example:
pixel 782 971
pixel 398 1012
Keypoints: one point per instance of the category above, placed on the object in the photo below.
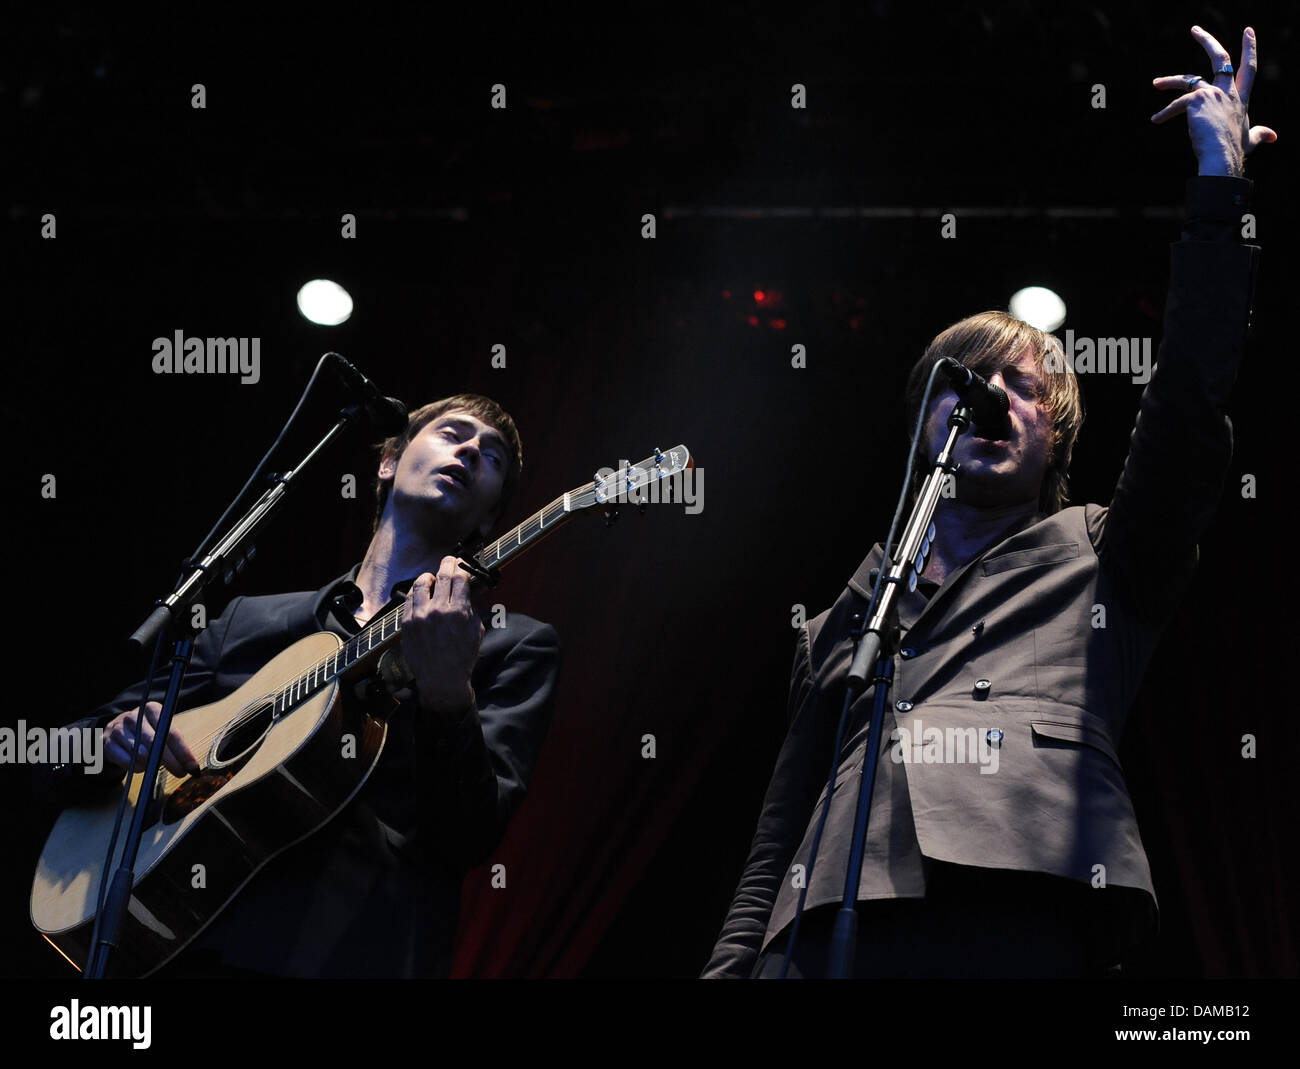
pixel 1039 307
pixel 324 302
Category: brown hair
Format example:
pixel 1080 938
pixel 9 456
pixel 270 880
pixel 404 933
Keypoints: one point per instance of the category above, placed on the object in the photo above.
pixel 987 343
pixel 474 404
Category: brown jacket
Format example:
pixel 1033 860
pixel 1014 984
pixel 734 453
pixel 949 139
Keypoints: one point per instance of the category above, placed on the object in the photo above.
pixel 1059 617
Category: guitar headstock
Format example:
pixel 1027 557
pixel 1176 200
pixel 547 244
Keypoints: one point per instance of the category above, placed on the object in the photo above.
pixel 654 479
pixel 634 484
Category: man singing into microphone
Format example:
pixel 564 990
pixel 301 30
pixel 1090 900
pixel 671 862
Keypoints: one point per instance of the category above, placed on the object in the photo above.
pixel 376 892
pixel 1018 854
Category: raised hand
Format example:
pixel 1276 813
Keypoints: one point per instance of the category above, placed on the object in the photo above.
pixel 1217 123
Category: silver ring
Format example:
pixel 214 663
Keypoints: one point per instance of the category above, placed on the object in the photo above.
pixel 1225 69
pixel 1193 80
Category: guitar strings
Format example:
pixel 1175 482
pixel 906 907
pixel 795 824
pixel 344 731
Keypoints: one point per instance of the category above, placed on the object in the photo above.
pixel 329 668
pixel 306 682
pixel 283 696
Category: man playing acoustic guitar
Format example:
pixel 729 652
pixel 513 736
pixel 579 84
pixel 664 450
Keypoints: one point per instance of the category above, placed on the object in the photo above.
pixel 376 891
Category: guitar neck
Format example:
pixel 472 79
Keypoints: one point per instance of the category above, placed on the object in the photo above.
pixel 384 629
pixel 606 490
pixel 528 533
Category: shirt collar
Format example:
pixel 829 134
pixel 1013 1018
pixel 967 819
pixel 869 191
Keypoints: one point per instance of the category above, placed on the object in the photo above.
pixel 339 600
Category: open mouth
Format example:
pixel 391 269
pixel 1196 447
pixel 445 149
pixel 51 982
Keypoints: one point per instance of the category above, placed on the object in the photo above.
pixel 457 475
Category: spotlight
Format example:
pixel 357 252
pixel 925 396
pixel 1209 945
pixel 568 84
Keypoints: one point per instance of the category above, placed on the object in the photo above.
pixel 1039 307
pixel 324 302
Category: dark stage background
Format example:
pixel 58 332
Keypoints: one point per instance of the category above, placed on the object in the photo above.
pixel 776 227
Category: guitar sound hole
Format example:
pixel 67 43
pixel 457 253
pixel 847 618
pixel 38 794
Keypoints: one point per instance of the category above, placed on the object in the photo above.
pixel 244 737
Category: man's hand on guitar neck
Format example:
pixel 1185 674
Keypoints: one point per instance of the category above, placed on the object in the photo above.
pixel 441 634
pixel 119 739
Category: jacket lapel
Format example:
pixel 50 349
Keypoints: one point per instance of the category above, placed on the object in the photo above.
pixel 913 607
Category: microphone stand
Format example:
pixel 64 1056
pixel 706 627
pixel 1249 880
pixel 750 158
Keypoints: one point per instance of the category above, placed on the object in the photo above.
pixel 876 646
pixel 173 615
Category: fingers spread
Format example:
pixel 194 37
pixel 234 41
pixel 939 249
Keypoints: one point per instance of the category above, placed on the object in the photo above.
pixel 1249 64
pixel 1178 107
pixel 1171 81
pixel 1261 135
pixel 1217 53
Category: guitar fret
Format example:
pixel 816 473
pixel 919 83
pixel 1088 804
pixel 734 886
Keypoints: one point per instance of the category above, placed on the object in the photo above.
pixel 379 631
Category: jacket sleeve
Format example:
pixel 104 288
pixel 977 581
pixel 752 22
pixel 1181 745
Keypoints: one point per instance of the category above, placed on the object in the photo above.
pixel 477 762
pixel 1181 446
pixel 791 796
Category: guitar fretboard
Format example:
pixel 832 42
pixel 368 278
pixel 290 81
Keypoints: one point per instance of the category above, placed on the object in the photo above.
pixel 369 641
pixel 380 632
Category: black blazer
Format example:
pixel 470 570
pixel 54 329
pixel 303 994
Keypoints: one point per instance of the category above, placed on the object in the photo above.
pixel 376 892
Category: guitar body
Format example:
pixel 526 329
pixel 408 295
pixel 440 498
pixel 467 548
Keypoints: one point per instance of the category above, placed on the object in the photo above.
pixel 266 783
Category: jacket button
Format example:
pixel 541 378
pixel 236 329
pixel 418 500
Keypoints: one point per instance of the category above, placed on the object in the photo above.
pixel 994 738
pixel 981 689
pixel 907 653
pixel 903 707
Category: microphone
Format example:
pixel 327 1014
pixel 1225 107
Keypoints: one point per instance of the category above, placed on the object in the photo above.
pixel 988 403
pixel 387 414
